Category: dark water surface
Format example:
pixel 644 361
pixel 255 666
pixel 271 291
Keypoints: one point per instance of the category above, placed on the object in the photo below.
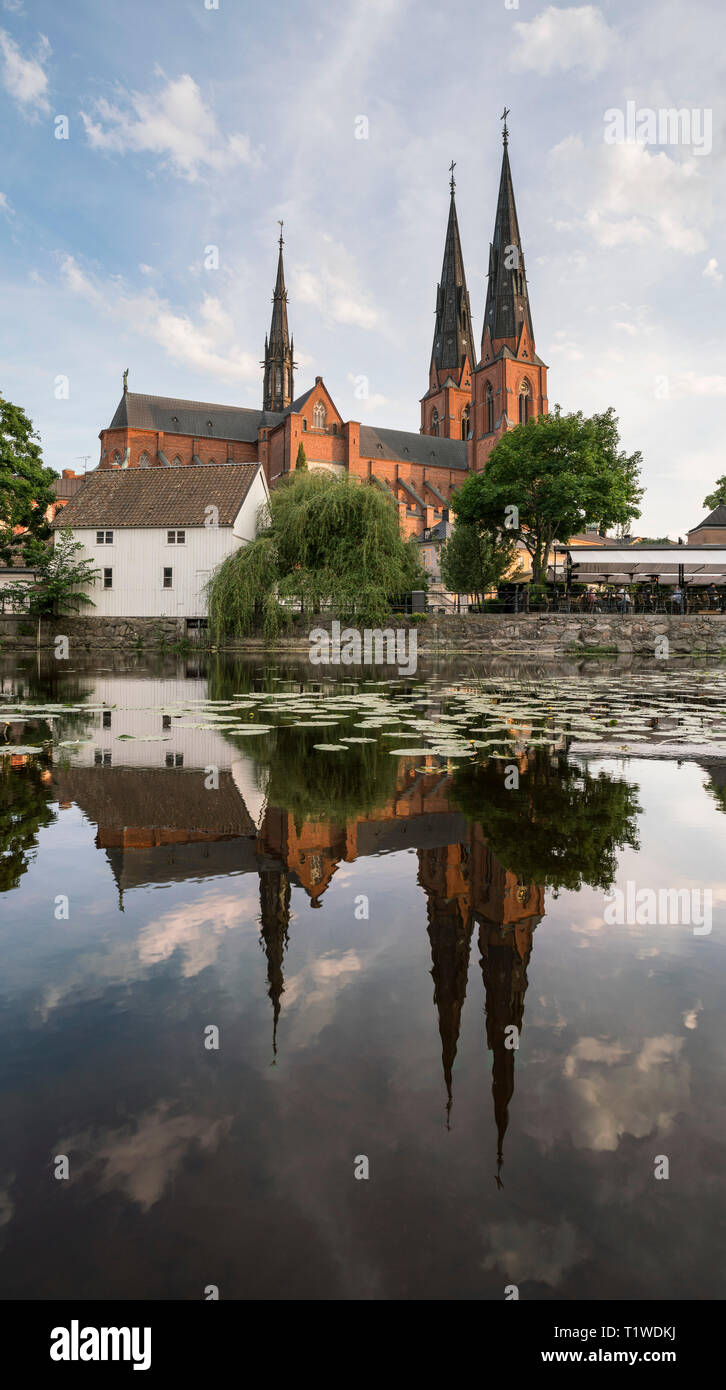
pixel 368 931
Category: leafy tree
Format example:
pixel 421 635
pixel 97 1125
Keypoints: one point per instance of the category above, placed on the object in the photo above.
pixel 25 793
pixel 25 486
pixel 60 581
pixel 301 461
pixel 329 543
pixel 561 827
pixel 547 479
pixel 718 497
pixel 473 560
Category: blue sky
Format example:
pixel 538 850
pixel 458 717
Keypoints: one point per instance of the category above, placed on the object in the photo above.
pixel 191 127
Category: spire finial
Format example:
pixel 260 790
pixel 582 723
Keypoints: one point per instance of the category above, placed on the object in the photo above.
pixel 452 180
pixel 126 380
pixel 505 132
pixel 281 224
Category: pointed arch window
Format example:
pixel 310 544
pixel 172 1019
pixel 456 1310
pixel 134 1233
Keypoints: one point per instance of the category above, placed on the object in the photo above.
pixel 278 381
pixel 435 422
pixel 319 416
pixel 144 461
pixel 489 403
pixel 525 402
pixel 116 459
pixel 176 462
pixel 465 422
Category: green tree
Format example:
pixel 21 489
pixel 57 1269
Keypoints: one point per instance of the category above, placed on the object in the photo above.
pixel 560 827
pixel 24 811
pixel 718 497
pixel 60 581
pixel 26 487
pixel 473 560
pixel 546 480
pixel 301 462
pixel 329 543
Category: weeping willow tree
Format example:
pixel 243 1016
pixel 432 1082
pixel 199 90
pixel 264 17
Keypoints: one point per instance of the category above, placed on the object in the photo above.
pixel 330 544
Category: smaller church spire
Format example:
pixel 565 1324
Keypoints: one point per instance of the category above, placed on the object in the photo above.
pixel 453 337
pixel 278 364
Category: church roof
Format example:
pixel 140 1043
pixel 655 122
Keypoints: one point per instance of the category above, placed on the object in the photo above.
pixel 433 451
pixel 507 302
pixel 453 335
pixel 715 518
pixel 118 497
pixel 175 416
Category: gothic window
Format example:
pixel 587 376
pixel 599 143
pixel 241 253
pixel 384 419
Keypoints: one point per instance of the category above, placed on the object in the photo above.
pixel 435 422
pixel 335 428
pixel 210 426
pixel 144 460
pixel 210 461
pixel 278 381
pixel 319 414
pixel 305 423
pixel 116 459
pixel 489 401
pixel 525 402
pixel 465 422
pixel 176 462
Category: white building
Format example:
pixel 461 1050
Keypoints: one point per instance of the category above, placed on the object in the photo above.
pixel 156 535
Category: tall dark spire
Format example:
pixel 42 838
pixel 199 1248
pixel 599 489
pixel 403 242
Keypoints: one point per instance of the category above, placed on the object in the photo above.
pixel 507 303
pixel 453 336
pixel 279 348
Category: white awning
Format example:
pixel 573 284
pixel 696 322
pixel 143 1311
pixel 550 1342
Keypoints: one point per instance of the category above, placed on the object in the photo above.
pixel 637 564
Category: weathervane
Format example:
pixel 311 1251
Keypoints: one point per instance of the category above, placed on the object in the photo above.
pixel 505 132
pixel 452 182
pixel 281 224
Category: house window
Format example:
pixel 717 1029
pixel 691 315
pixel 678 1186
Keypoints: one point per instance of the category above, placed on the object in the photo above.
pixel 108 579
pixel 167 584
pixel 175 759
pixel 144 460
pixel 319 414
pixel 524 402
pixel 166 721
pixel 101 757
pixel 489 401
pixel 107 719
pixel 435 422
pixel 176 537
pixel 104 538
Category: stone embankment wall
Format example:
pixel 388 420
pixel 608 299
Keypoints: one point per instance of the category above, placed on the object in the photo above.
pixel 541 635
pixel 89 634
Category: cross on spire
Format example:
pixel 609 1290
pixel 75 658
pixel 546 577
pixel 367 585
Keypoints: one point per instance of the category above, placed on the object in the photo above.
pixel 452 181
pixel 281 225
pixel 505 132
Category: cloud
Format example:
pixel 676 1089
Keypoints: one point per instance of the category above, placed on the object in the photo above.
pixel 140 1161
pixel 25 79
pixel 712 272
pixel 628 196
pixel 171 122
pixel 6 206
pixel 333 288
pixel 205 342
pixel 562 39
pixel 616 1090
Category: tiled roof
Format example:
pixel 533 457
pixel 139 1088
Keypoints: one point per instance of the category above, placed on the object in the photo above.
pixel 175 416
pixel 714 518
pixel 159 496
pixel 406 447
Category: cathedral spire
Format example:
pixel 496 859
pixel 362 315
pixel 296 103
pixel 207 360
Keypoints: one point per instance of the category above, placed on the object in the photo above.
pixel 453 342
pixel 278 363
pixel 507 304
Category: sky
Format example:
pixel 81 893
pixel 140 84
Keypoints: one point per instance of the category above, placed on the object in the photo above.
pixel 191 127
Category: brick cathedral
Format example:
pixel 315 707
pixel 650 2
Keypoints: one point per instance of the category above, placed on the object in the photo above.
pixel 468 405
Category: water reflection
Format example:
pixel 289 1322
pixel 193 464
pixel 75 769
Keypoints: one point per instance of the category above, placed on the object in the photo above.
pixel 277 821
